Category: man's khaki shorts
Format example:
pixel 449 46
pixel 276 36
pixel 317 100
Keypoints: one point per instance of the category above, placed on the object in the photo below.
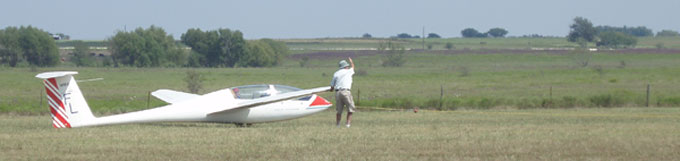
pixel 342 98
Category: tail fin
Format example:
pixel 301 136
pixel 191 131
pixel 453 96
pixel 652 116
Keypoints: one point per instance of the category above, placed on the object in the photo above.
pixel 67 104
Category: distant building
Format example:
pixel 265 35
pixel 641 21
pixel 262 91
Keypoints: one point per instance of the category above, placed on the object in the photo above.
pixel 60 36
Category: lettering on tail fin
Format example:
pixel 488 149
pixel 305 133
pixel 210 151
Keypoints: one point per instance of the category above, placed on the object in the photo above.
pixel 67 99
pixel 56 102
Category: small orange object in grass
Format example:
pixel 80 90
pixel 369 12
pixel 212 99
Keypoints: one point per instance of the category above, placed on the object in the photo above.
pixel 415 109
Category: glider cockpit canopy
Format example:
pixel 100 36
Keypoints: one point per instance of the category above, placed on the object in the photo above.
pixel 261 90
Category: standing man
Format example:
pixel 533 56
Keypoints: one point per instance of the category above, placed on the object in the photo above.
pixel 342 83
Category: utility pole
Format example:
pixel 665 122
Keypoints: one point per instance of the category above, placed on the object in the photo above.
pixel 423 37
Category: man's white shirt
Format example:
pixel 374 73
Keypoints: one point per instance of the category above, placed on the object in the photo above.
pixel 342 79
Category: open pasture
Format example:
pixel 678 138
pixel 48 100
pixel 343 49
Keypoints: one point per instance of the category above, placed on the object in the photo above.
pixel 468 80
pixel 538 134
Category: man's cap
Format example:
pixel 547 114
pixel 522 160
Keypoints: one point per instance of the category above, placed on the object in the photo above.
pixel 343 64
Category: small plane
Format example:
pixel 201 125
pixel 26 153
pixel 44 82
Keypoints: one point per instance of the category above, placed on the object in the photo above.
pixel 243 105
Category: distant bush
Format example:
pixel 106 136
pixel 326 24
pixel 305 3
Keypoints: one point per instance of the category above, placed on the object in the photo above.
pixel 569 101
pixel 473 33
pixel 80 55
pixel 622 64
pixel 640 31
pixel 304 62
pixel 464 72
pixel 470 32
pixel 404 36
pixel 394 55
pixel 616 40
pixel 366 35
pixel 194 81
pixel 667 33
pixel 433 35
pixel 497 32
pixel 449 46
pixel 581 57
pixel 669 101
pixel 616 99
pixel 660 46
pixel 606 100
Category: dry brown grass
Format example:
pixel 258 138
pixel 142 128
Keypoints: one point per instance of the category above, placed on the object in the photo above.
pixel 556 134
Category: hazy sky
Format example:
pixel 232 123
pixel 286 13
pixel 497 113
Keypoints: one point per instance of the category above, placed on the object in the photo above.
pixel 97 20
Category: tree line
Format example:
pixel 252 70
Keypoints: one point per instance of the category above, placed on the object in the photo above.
pixel 27 46
pixel 153 47
pixel 494 32
pixel 150 47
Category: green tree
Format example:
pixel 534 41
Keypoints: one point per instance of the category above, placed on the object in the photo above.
pixel 433 35
pixel 667 33
pixel 404 36
pixel 151 47
pixel 640 31
pixel 582 31
pixel 80 54
pixel 218 48
pixel 279 48
pixel 470 32
pixel 28 44
pixel 260 54
pixel 226 48
pixel 616 40
pixel 497 32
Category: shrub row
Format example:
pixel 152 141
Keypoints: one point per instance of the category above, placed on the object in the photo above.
pixel 453 103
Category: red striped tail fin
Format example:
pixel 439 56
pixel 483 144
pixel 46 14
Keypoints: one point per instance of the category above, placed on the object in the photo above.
pixel 67 104
pixel 56 103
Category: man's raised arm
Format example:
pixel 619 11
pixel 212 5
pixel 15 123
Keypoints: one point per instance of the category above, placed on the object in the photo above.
pixel 351 62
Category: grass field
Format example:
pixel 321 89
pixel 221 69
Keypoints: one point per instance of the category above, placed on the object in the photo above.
pixel 497 106
pixel 538 134
pixel 468 80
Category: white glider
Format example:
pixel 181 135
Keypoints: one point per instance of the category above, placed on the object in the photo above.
pixel 239 105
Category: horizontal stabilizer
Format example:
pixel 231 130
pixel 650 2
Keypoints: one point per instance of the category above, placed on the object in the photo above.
pixel 272 99
pixel 47 75
pixel 172 97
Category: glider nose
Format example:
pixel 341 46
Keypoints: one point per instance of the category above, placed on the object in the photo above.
pixel 319 102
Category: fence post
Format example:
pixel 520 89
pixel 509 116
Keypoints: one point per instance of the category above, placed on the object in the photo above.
pixel 148 99
pixel 441 97
pixel 358 96
pixel 647 102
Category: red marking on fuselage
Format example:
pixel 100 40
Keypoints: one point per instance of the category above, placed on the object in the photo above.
pixel 320 101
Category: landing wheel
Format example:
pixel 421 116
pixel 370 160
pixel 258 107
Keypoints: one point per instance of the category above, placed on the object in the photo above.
pixel 243 125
